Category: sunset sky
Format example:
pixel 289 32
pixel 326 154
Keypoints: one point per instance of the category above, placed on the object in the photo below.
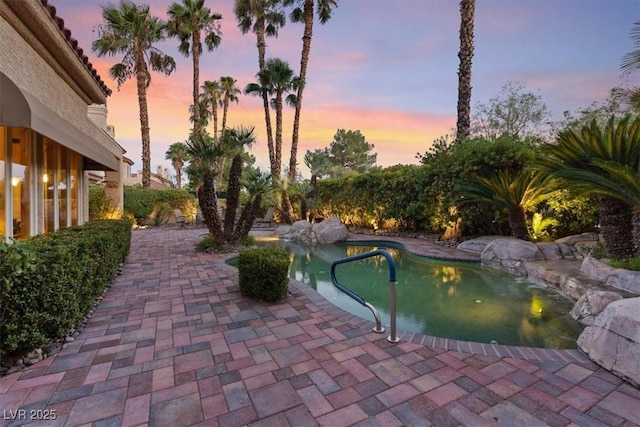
pixel 385 67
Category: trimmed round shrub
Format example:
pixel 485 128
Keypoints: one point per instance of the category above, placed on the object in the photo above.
pixel 263 273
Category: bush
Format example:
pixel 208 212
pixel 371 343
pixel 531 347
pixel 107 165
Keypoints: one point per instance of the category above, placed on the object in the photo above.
pixel 263 273
pixel 143 203
pixel 49 282
pixel 99 202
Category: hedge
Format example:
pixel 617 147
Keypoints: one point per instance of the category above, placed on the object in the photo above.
pixel 50 282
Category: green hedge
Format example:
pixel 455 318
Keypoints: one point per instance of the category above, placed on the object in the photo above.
pixel 49 283
pixel 263 273
pixel 143 203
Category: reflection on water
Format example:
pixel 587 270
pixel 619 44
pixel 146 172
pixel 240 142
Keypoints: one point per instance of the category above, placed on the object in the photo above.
pixel 442 298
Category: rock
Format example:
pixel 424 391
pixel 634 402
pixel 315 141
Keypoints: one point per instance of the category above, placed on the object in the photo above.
pixel 625 279
pixel 478 244
pixel 293 234
pixel 330 230
pixel 552 250
pixel 591 304
pixel 281 230
pixel 508 254
pixel 69 339
pixel 576 286
pixel 613 341
pixel 596 269
pixel 578 238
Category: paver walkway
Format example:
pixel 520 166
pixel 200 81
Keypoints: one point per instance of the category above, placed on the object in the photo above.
pixel 174 344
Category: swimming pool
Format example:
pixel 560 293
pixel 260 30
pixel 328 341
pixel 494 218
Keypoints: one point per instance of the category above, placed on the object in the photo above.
pixel 458 300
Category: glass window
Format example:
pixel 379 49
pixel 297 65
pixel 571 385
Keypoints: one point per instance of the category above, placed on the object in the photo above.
pixel 20 181
pixel 74 183
pixel 4 188
pixel 48 183
pixel 62 178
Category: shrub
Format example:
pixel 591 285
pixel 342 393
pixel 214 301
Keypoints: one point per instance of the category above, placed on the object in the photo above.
pixel 99 202
pixel 263 273
pixel 49 282
pixel 143 203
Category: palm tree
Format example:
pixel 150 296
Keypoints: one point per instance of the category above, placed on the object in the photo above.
pixel 204 152
pixel 304 12
pixel 631 61
pixel 177 153
pixel 230 93
pixel 576 154
pixel 211 95
pixel 257 184
pixel 276 79
pixel 514 191
pixel 264 18
pixel 235 140
pixel 467 9
pixel 189 22
pixel 131 30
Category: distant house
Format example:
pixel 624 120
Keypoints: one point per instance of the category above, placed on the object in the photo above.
pixel 159 180
pixel 53 124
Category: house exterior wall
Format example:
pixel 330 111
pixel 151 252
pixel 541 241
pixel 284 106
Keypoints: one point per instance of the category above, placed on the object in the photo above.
pixel 41 60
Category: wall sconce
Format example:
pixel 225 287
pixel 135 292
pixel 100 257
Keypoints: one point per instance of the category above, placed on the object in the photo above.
pixel 15 181
pixel 45 178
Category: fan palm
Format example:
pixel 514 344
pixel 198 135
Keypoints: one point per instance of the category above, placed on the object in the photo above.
pixel 189 21
pixel 257 184
pixel 467 9
pixel 575 155
pixel 513 191
pixel 130 30
pixel 276 79
pixel 203 153
pixel 177 153
pixel 264 18
pixel 211 95
pixel 230 94
pixel 236 140
pixel 304 12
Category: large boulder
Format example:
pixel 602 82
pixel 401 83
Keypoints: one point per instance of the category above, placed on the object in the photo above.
pixel 578 238
pixel 296 229
pixel 591 304
pixel 478 244
pixel 618 278
pixel 509 254
pixel 330 230
pixel 555 250
pixel 613 341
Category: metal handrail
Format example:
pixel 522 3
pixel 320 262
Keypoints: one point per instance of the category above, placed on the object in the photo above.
pixel 392 290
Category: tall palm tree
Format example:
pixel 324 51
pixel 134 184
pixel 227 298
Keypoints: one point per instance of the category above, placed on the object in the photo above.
pixel 514 191
pixel 277 79
pixel 191 22
pixel 575 154
pixel 230 92
pixel 211 95
pixel 177 153
pixel 467 10
pixel 304 12
pixel 204 152
pixel 264 18
pixel 236 140
pixel 631 61
pixel 130 30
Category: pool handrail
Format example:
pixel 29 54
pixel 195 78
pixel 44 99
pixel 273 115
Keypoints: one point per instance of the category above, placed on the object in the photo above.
pixel 392 290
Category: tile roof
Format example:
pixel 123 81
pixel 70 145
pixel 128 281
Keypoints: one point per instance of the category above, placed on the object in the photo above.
pixel 74 44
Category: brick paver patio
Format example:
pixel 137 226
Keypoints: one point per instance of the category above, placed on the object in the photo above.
pixel 174 344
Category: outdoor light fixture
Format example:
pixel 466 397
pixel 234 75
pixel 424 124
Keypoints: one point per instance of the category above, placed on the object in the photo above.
pixel 15 181
pixel 45 178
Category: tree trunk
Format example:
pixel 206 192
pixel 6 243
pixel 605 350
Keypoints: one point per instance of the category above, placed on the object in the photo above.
pixel 248 215
pixel 518 223
pixel 287 209
pixel 260 34
pixel 195 52
pixel 616 227
pixel 304 60
pixel 276 169
pixel 233 196
pixel 467 8
pixel 209 206
pixel 141 80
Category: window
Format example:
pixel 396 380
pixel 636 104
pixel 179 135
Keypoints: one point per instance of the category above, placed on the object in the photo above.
pixel 5 188
pixel 21 181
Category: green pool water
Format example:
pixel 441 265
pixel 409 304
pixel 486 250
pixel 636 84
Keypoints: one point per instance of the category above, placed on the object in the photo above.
pixel 457 300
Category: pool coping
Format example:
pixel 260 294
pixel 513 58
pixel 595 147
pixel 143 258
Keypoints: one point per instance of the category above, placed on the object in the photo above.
pixel 468 347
